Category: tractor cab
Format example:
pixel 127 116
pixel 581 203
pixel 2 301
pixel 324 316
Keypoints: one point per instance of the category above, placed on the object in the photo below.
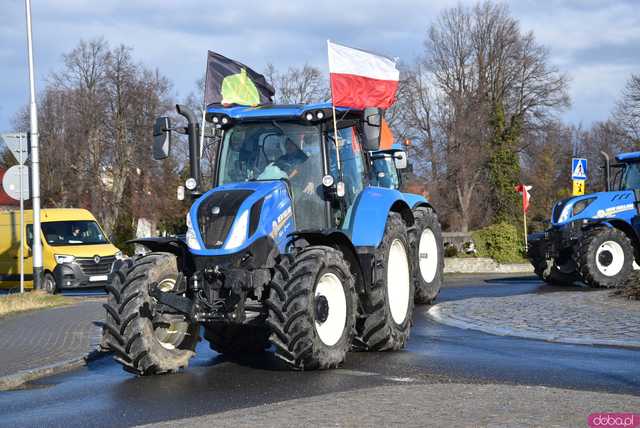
pixel 627 176
pixel 295 144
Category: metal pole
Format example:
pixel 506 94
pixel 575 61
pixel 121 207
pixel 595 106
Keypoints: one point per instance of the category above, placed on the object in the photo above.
pixel 20 161
pixel 35 160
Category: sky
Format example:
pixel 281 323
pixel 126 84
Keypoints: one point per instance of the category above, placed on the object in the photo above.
pixel 595 42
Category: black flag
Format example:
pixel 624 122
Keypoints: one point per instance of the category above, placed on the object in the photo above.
pixel 231 82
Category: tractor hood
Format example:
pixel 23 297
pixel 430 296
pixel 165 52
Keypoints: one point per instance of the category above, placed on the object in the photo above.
pixel 595 206
pixel 231 217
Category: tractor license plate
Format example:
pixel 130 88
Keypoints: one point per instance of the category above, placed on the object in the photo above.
pixel 98 278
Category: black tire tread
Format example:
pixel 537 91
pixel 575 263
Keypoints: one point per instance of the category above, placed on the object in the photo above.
pixel 292 328
pixel 376 329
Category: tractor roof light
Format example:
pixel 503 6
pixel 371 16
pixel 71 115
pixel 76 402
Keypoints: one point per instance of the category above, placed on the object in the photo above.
pixel 320 115
pixel 309 116
pixel 327 181
pixel 215 119
pixel 191 183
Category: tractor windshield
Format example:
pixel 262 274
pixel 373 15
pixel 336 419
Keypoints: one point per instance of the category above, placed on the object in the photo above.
pixel 631 177
pixel 274 151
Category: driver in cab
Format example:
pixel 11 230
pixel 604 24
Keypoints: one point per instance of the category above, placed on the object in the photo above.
pixel 288 165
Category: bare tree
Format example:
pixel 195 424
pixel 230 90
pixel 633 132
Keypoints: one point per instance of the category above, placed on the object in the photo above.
pixel 303 85
pixel 481 85
pixel 627 112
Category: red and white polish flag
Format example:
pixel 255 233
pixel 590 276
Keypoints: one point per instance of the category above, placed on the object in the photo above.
pixel 361 79
pixel 526 196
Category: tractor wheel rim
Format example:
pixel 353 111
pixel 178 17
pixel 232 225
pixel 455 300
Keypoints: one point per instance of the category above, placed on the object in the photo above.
pixel 171 333
pixel 166 285
pixel 610 258
pixel 428 255
pixel 330 325
pixel 398 281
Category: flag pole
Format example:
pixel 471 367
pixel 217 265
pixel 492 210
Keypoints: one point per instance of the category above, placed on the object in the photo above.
pixel 335 121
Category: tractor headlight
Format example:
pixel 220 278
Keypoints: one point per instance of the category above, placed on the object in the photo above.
pixel 566 213
pixel 63 258
pixel 239 232
pixel 582 205
pixel 192 241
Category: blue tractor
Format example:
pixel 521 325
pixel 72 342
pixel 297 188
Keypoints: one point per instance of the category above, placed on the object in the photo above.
pixel 301 246
pixel 594 238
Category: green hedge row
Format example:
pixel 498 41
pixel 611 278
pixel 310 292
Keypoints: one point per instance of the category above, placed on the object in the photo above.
pixel 503 242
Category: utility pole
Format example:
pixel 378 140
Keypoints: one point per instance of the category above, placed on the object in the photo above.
pixel 35 161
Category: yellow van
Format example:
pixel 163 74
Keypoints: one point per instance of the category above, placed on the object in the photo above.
pixel 75 251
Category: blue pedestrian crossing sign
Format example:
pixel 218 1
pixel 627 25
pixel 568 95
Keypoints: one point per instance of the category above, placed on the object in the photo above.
pixel 579 169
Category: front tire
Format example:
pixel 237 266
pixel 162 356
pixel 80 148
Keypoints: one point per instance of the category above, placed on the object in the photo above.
pixel 386 306
pixel 312 308
pixel 605 258
pixel 146 342
pixel 49 284
pixel 428 255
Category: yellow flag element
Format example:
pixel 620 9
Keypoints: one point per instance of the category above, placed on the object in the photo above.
pixel 239 89
pixel 578 187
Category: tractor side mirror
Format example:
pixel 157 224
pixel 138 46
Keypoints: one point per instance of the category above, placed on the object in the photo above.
pixel 372 126
pixel 400 159
pixel 161 138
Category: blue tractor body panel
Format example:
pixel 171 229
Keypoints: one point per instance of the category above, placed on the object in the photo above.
pixel 369 217
pixel 271 111
pixel 415 201
pixel 276 216
pixel 602 206
pixel 628 157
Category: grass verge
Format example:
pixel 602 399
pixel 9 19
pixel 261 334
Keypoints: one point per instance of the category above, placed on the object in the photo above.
pixel 30 300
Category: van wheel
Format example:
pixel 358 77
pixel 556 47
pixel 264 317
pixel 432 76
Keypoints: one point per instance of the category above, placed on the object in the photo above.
pixel 49 284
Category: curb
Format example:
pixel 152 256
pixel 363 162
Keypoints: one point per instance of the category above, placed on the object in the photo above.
pixel 483 265
pixel 435 313
pixel 16 380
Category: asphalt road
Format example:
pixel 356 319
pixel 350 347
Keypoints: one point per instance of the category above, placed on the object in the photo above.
pixel 103 395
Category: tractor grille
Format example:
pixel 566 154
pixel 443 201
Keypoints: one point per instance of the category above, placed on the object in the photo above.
pixel 216 215
pixel 90 267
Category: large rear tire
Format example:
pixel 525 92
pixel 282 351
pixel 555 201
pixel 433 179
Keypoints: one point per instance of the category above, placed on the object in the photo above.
pixel 605 258
pixel 428 255
pixel 312 308
pixel 237 339
pixel 146 342
pixel 386 306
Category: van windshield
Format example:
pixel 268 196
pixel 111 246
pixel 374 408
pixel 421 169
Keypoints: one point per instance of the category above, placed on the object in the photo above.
pixel 85 232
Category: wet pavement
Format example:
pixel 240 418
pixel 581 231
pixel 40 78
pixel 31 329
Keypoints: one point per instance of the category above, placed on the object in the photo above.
pixel 101 394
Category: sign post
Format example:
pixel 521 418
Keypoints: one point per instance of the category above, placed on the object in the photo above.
pixel 35 159
pixel 17 144
pixel 578 175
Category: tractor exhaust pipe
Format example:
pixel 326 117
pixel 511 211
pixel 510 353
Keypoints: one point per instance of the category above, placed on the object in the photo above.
pixel 607 171
pixel 193 129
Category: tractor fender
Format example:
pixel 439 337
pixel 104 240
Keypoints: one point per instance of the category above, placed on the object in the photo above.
pixel 168 245
pixel 369 215
pixel 416 201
